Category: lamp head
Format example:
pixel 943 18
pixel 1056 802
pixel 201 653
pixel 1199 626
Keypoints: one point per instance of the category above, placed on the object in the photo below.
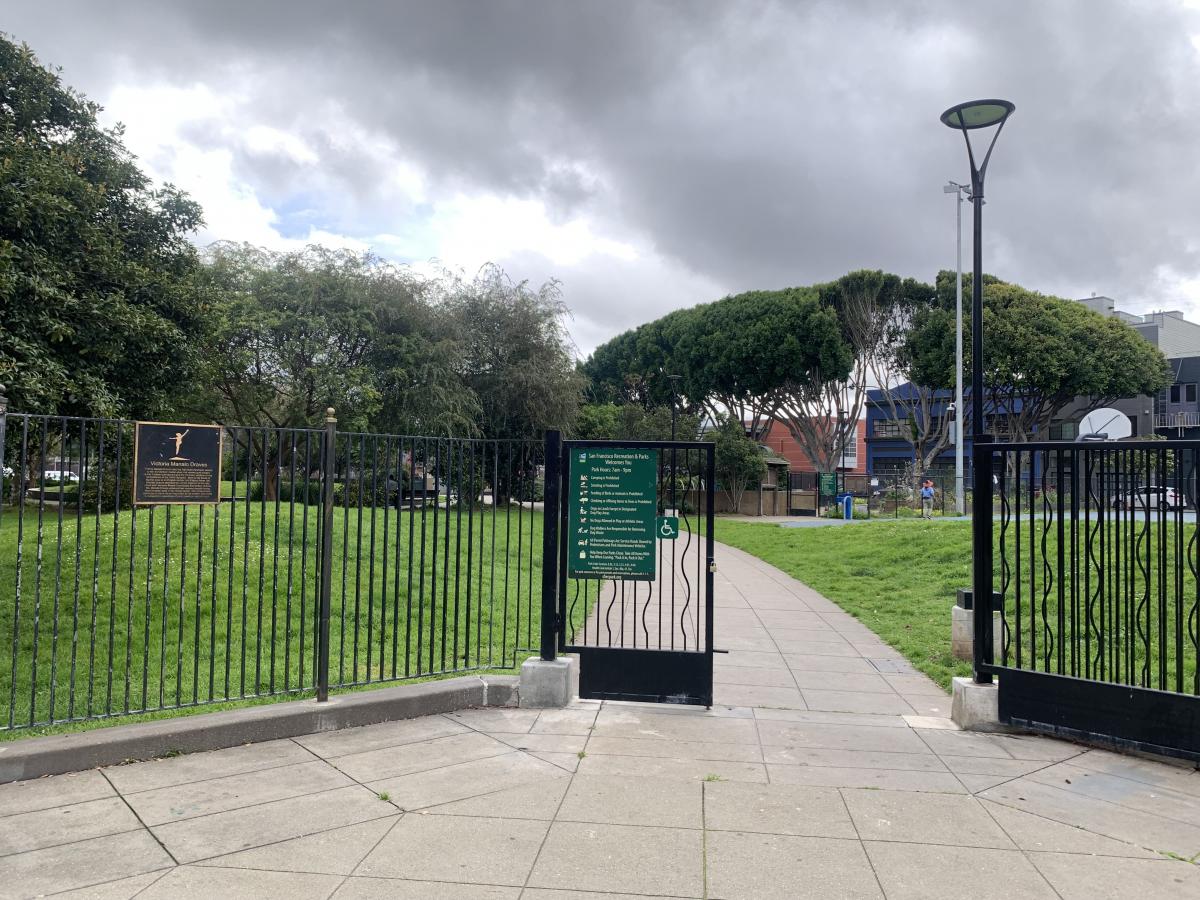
pixel 978 114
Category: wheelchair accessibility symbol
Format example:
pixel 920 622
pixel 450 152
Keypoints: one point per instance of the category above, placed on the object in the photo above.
pixel 668 528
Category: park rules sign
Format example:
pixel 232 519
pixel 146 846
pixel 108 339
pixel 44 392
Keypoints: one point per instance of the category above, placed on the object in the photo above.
pixel 612 504
pixel 176 463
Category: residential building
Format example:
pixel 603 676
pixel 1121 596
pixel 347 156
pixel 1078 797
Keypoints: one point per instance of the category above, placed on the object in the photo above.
pixel 888 453
pixel 1175 411
pixel 1177 408
pixel 780 441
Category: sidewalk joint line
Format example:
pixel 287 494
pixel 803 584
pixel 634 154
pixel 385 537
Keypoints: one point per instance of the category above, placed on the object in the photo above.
pixel 137 816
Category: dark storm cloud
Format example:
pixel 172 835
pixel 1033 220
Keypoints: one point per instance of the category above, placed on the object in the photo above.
pixel 752 144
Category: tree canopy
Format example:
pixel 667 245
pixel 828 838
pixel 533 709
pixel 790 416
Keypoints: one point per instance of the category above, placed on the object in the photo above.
pixel 805 356
pixel 98 283
pixel 740 354
pixel 1040 354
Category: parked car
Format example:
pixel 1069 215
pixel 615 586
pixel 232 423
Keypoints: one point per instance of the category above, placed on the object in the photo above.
pixel 1150 498
pixel 59 475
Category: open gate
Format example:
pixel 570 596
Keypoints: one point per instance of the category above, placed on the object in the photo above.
pixel 628 566
pixel 1092 553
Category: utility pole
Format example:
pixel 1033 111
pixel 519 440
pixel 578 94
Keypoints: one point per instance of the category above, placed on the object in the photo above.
pixel 960 507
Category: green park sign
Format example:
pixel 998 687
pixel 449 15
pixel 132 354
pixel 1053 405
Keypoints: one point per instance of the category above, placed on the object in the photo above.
pixel 827 484
pixel 612 498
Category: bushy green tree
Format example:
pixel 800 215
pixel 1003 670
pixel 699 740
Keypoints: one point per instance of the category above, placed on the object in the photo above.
pixel 99 301
pixel 513 352
pixel 1041 353
pixel 631 422
pixel 738 461
pixel 756 356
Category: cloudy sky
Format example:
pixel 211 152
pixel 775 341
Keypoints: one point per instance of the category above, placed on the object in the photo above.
pixel 652 155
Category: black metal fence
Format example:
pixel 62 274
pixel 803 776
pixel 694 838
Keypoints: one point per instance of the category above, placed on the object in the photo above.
pixel 1091 554
pixel 1095 559
pixel 894 495
pixel 334 559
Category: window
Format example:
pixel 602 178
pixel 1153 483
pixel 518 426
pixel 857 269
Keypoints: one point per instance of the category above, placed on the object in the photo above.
pixel 1181 398
pixel 849 458
pixel 1064 431
pixel 997 425
pixel 890 428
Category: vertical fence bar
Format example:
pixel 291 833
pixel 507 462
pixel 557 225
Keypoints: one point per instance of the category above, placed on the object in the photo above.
pixel 550 544
pixel 327 457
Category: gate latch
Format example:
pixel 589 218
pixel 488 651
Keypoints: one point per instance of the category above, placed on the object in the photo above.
pixel 712 565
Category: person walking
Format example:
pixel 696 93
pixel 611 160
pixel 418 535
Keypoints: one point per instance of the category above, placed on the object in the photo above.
pixel 927 499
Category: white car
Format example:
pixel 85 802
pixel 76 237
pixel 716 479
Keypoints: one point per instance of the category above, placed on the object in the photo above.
pixel 1151 498
pixel 59 475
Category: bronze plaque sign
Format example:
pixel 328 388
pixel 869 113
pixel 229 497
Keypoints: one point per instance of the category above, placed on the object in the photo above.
pixel 176 463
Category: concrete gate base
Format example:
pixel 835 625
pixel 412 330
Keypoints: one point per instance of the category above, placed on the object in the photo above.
pixel 548 684
pixel 976 707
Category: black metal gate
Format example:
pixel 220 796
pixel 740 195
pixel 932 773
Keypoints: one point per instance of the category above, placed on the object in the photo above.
pixel 649 640
pixel 1093 555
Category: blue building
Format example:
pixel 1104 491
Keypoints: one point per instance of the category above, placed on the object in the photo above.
pixel 889 454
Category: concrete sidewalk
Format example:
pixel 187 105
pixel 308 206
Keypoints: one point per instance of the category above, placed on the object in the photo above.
pixel 830 770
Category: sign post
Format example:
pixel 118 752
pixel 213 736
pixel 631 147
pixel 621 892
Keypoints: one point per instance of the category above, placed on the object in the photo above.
pixel 612 501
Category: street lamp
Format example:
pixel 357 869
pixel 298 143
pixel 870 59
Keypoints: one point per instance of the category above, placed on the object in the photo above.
pixel 954 187
pixel 968 117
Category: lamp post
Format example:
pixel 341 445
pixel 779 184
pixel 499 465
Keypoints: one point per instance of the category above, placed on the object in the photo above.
pixel 959 500
pixel 674 379
pixel 968 117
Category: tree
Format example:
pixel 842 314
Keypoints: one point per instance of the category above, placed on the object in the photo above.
pixel 1041 354
pixel 737 460
pixel 513 353
pixel 822 410
pixel 630 422
pixel 909 401
pixel 98 284
pixel 291 334
pixel 750 355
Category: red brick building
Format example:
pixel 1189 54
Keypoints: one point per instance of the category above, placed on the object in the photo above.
pixel 781 442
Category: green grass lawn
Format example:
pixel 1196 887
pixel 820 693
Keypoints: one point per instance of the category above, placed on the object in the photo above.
pixel 900 578
pixel 121 615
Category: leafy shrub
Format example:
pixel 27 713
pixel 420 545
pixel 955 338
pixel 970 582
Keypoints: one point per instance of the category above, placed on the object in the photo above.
pixel 527 490
pixel 103 491
pixel 354 492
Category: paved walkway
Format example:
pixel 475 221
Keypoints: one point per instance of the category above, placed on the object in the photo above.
pixel 829 771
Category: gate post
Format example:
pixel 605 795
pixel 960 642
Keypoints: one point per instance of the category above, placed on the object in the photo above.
pixel 551 501
pixel 328 446
pixel 981 546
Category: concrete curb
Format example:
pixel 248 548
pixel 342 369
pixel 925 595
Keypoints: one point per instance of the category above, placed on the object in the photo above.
pixel 60 753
